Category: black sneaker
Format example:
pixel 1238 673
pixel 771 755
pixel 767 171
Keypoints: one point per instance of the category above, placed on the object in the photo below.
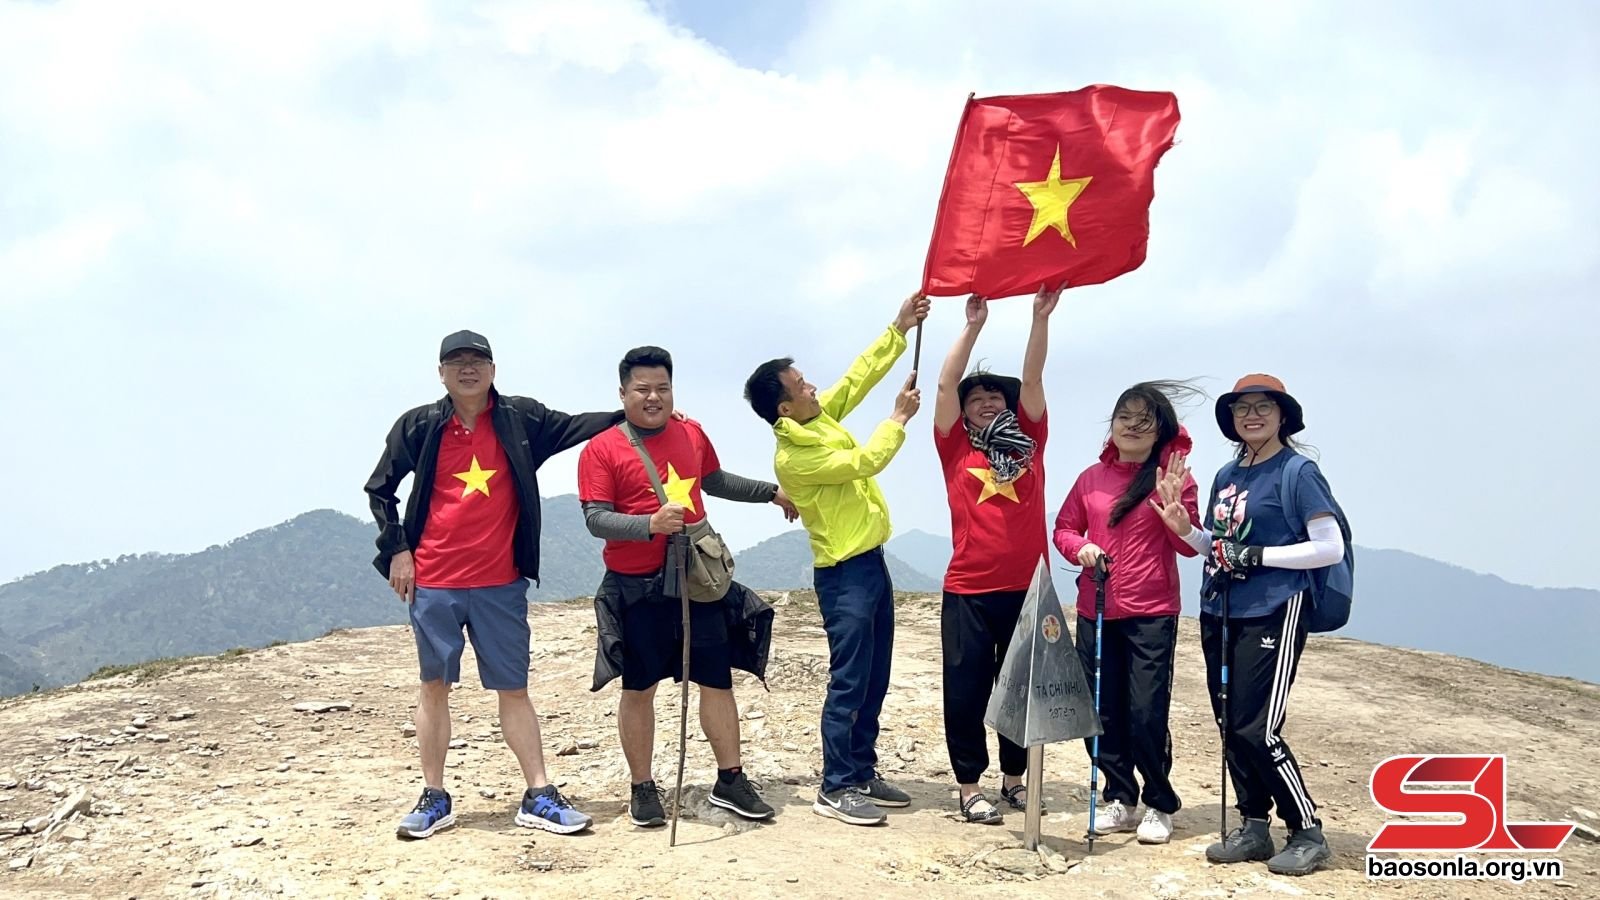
pixel 1250 842
pixel 882 793
pixel 740 797
pixel 644 810
pixel 1304 853
pixel 848 806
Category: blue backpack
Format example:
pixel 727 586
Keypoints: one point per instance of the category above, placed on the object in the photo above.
pixel 1332 587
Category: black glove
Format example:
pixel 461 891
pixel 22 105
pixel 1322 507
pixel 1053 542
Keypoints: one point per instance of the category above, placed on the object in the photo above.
pixel 1235 558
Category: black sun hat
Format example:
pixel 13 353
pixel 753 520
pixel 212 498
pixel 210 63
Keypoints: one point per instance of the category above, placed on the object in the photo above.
pixel 1009 388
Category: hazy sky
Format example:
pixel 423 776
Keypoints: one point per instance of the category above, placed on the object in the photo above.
pixel 231 237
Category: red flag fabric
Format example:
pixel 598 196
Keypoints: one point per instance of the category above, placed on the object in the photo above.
pixel 1046 188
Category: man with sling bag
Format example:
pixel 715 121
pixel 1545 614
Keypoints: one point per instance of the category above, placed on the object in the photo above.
pixel 639 483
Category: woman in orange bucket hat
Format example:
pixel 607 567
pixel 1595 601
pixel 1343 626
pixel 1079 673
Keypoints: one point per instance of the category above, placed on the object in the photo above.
pixel 1271 520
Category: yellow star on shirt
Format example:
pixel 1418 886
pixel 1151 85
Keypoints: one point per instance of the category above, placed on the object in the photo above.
pixel 1051 199
pixel 679 490
pixel 475 478
pixel 1007 489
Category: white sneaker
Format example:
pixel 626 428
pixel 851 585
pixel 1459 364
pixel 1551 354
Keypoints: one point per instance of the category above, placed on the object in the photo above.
pixel 1116 817
pixel 1156 827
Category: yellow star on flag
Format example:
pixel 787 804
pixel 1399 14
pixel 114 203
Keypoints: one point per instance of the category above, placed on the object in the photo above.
pixel 1007 489
pixel 679 489
pixel 475 478
pixel 1051 198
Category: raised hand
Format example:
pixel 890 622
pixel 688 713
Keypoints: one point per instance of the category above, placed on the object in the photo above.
pixel 977 311
pixel 1044 302
pixel 913 310
pixel 1169 495
pixel 908 401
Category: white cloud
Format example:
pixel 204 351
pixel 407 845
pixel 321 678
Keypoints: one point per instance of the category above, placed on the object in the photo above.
pixel 255 224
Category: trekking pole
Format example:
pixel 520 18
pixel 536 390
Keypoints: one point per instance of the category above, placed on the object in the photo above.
pixel 1227 658
pixel 1102 571
pixel 680 560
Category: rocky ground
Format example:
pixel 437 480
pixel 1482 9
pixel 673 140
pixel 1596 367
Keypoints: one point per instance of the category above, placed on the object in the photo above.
pixel 283 772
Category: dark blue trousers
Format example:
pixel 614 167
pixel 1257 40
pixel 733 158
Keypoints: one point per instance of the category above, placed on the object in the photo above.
pixel 857 603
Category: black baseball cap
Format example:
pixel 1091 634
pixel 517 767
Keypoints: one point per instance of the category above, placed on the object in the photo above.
pixel 465 340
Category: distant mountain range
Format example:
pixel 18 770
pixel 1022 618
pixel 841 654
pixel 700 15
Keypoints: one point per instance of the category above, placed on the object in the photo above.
pixel 289 582
pixel 304 577
pixel 785 563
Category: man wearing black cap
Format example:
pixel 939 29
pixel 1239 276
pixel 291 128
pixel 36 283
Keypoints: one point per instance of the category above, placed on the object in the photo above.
pixel 990 433
pixel 462 556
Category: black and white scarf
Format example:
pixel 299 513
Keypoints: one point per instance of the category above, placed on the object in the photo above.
pixel 1002 441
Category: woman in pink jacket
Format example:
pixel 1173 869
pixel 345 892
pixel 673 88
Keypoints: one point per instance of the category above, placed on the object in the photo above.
pixel 1111 511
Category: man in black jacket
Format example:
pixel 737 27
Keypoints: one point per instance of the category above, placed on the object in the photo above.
pixel 462 557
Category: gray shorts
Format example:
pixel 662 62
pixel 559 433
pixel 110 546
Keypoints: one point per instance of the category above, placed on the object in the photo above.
pixel 495 618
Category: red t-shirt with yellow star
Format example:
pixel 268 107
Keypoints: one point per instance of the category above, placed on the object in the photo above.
pixel 472 512
pixel 998 530
pixel 610 471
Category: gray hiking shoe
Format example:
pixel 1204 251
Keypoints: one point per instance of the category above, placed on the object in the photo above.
pixel 882 793
pixel 848 806
pixel 644 807
pixel 1304 853
pixel 1250 842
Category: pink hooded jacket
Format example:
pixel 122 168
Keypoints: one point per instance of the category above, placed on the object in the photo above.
pixel 1143 550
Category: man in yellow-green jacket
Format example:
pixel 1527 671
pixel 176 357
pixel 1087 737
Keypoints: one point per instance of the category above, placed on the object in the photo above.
pixel 829 477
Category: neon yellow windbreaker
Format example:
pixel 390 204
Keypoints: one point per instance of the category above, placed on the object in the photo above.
pixel 827 475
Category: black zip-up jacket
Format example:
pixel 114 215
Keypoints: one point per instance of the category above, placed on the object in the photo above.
pixel 749 629
pixel 529 431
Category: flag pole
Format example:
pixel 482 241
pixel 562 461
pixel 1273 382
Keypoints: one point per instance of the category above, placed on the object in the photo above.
pixel 916 356
pixel 966 108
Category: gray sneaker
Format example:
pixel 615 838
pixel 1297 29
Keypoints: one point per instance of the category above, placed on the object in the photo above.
pixel 883 793
pixel 848 806
pixel 1304 853
pixel 1250 842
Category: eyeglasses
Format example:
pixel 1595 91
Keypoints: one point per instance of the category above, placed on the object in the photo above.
pixel 1261 408
pixel 468 362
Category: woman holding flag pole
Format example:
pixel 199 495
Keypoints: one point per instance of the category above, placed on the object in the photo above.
pixel 1112 511
pixel 989 431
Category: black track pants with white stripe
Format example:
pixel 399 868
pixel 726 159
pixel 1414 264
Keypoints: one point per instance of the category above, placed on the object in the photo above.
pixel 1264 654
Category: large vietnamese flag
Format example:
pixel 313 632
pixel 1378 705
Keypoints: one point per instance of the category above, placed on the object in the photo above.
pixel 1048 188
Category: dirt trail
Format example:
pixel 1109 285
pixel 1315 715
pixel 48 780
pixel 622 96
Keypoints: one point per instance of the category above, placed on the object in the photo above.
pixel 207 781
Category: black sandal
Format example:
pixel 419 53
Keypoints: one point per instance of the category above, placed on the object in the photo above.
pixel 988 816
pixel 1017 796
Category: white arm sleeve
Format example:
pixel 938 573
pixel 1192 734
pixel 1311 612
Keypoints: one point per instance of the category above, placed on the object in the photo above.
pixel 1198 539
pixel 1325 548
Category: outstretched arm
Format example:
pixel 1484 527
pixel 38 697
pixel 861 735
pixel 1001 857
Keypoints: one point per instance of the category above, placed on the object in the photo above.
pixel 824 466
pixel 868 369
pixel 552 431
pixel 947 406
pixel 1032 400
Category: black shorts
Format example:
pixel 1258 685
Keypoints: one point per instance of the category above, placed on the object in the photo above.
pixel 652 635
